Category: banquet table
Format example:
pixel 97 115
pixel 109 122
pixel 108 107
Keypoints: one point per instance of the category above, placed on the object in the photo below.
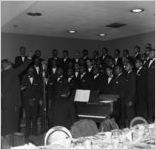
pixel 116 139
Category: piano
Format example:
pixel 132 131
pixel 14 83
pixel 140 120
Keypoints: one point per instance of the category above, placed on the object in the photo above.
pixel 97 110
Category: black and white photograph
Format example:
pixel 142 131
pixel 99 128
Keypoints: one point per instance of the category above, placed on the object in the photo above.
pixel 78 74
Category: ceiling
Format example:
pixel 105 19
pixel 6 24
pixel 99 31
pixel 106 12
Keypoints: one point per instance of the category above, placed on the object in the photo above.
pixel 89 18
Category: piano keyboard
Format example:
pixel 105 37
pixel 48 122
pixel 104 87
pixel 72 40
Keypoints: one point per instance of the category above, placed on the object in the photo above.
pixel 92 116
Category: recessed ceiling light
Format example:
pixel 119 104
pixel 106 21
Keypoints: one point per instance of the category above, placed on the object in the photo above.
pixel 137 10
pixel 102 34
pixel 34 14
pixel 72 31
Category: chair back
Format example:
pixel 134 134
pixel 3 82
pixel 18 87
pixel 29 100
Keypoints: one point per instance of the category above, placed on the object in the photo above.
pixel 84 127
pixel 108 125
pixel 138 120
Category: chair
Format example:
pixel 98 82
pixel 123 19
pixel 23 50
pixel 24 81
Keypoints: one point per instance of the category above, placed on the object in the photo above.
pixel 108 125
pixel 84 127
pixel 56 135
pixel 138 120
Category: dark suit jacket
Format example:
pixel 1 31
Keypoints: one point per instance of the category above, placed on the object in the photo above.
pixel 119 84
pixel 107 88
pixel 130 87
pixel 64 65
pixel 119 61
pixel 18 61
pixel 85 82
pixel 151 84
pixel 10 98
pixel 40 71
pixel 97 83
pixel 51 86
pixel 63 113
pixel 51 59
pixel 141 92
pixel 34 90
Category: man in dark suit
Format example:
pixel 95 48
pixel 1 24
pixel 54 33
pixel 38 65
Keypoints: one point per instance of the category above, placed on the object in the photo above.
pixel 128 109
pixel 104 56
pixel 84 80
pixel 19 60
pixel 33 96
pixel 37 68
pixel 22 58
pixel 10 96
pixel 147 52
pixel 54 57
pixel 119 89
pixel 96 80
pixel 89 68
pixel 95 55
pixel 117 58
pixel 65 60
pixel 85 55
pixel 151 86
pixel 52 68
pixel 108 81
pixel 126 57
pixel 38 55
pixel 141 89
pixel 62 110
pixel 137 54
pixel 77 57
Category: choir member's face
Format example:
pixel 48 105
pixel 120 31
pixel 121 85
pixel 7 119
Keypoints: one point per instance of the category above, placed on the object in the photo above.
pixel 89 63
pixel 38 53
pixel 136 50
pixel 30 72
pixel 138 64
pixel 125 53
pixel 22 51
pixel 37 62
pixel 109 71
pixel 147 51
pixel 85 53
pixel 60 72
pixel 116 53
pixel 65 54
pixel 70 72
pixel 127 67
pixel 76 68
pixel 54 53
pixel 152 55
pixel 117 70
pixel 54 63
pixel 77 55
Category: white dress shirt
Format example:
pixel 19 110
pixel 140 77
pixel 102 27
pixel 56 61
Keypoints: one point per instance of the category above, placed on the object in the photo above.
pixel 31 79
pixel 37 69
pixel 23 58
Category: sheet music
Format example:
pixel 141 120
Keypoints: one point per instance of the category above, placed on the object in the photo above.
pixel 82 95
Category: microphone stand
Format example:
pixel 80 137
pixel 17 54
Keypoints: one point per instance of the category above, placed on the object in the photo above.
pixel 44 79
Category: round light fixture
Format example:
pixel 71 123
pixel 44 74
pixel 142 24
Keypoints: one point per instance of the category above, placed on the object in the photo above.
pixel 72 31
pixel 137 10
pixel 102 34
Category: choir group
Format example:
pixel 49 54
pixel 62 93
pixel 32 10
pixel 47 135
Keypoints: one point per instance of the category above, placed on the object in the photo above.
pixel 49 86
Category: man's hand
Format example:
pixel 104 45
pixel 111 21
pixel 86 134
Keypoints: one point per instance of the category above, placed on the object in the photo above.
pixel 23 87
pixel 130 103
